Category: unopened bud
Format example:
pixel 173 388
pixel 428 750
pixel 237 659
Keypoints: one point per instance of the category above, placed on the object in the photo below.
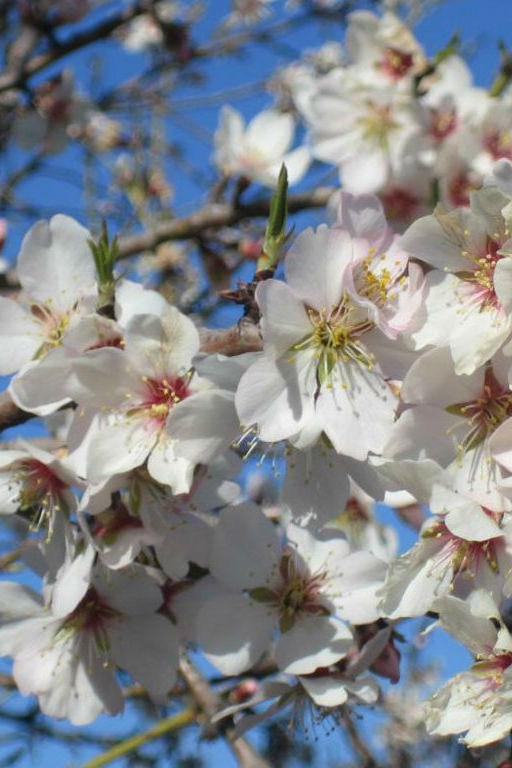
pixel 250 249
pixel 244 691
pixel 275 234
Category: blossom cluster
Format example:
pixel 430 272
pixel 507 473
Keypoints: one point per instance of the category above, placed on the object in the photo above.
pixel 384 374
pixel 378 111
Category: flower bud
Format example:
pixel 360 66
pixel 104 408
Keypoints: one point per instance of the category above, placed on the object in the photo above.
pixel 244 691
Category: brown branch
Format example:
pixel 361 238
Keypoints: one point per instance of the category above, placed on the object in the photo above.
pixel 21 48
pixel 215 215
pixel 243 337
pixel 10 414
pixel 236 340
pixel 17 77
pixel 209 704
pixel 240 338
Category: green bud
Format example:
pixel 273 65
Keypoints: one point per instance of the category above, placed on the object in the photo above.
pixel 105 255
pixel 275 235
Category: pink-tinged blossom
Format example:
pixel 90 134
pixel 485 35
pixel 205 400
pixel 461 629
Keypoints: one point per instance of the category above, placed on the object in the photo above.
pixel 327 355
pixel 407 195
pixel 304 589
pixel 36 483
pixel 466 546
pixel 457 177
pixel 454 107
pixel 491 139
pixel 316 696
pixel 145 403
pixel 384 50
pixel 361 527
pixel 451 421
pixel 475 702
pixel 131 511
pixel 469 292
pixel 68 659
pixel 45 384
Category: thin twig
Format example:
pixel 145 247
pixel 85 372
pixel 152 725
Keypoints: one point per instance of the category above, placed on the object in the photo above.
pixel 172 723
pixel 209 703
pixel 17 77
pixel 215 215
pixel 358 745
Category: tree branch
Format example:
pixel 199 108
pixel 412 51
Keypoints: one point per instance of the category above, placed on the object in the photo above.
pixel 243 337
pixel 18 76
pixel 358 744
pixel 215 215
pixel 10 414
pixel 209 703
pixel 167 725
pixel 240 338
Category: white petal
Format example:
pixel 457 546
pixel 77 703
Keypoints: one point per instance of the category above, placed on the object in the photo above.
pixel 234 632
pixel 246 548
pixel 315 264
pixel 55 263
pixel 312 642
pixel 328 691
pixel 168 468
pixel 204 425
pixel 147 648
pixel 278 396
pixel 166 342
pixel 284 318
pixel 271 133
pixel 40 387
pixel 356 410
pixel 20 336
pixel 118 448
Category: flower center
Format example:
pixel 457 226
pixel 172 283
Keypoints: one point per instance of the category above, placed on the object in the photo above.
pixel 90 615
pixel 483 276
pixel 484 414
pixel 298 592
pixel 492 668
pixel 442 123
pixel 41 491
pixel 499 144
pixel 354 514
pixel 370 284
pixel 459 189
pixel 399 203
pixel 395 63
pixel 465 555
pixel 378 124
pixel 53 327
pixel 336 337
pixel 161 395
pixel 113 521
